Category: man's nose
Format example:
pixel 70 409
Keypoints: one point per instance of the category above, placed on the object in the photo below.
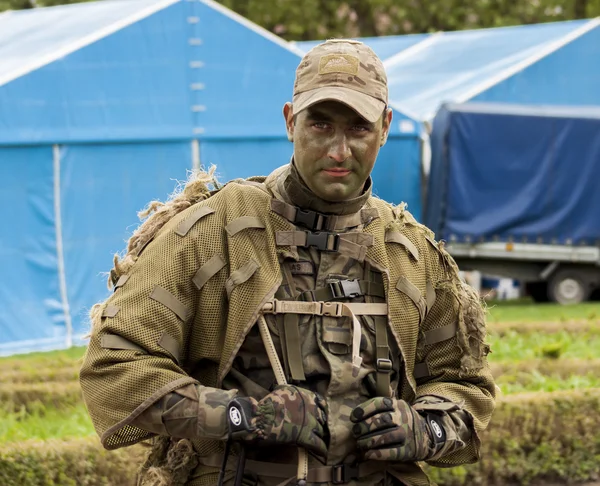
pixel 339 149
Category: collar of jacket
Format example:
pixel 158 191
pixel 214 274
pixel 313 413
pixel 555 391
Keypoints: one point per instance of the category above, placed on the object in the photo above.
pixel 291 188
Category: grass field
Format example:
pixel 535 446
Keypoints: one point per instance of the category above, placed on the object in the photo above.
pixel 534 348
pixel 45 423
pixel 524 310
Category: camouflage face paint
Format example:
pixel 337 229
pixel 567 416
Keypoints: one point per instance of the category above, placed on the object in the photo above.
pixel 335 149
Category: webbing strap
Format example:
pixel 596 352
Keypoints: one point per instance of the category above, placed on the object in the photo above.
pixel 208 270
pixel 169 344
pixel 421 370
pixel 361 239
pixel 309 219
pixel 413 293
pixel 167 299
pixel 121 282
pixel 322 241
pixel 110 311
pixel 241 275
pixel 383 364
pixel 339 474
pixel 242 223
pixel 430 296
pixel 397 237
pixel 114 341
pixel 440 334
pixel 186 225
pixel 344 289
pixel 332 309
pixel 318 221
pixel 291 328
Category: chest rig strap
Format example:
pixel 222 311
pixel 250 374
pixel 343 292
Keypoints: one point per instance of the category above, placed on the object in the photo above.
pixel 292 344
pixel 315 221
pixel 383 363
pixel 323 241
pixel 344 289
pixel 331 309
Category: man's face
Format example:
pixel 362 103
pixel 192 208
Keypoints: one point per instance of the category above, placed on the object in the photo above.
pixel 335 148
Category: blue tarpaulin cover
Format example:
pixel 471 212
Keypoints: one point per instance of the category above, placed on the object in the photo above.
pixel 515 173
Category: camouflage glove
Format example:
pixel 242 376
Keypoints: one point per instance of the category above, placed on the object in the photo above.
pixel 287 415
pixel 391 430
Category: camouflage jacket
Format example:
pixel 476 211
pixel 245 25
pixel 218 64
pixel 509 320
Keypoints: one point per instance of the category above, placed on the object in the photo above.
pixel 177 339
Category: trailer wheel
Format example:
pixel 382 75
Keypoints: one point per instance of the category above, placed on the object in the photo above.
pixel 538 291
pixel 568 287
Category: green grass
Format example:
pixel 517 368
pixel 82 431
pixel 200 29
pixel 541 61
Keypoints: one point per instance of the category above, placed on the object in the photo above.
pixel 45 423
pixel 537 382
pixel 524 310
pixel 62 355
pixel 513 346
pixel 32 363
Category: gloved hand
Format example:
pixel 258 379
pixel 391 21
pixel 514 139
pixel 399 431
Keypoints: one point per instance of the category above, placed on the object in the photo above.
pixel 287 415
pixel 389 429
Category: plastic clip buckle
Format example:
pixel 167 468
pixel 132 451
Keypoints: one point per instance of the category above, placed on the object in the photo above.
pixel 343 473
pixel 321 241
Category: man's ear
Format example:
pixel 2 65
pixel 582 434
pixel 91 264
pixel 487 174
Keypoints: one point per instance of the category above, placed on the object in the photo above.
pixel 387 123
pixel 288 115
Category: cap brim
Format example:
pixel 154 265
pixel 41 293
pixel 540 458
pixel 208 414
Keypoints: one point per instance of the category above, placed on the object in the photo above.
pixel 366 106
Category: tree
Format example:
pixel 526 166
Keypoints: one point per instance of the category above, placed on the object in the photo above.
pixel 320 19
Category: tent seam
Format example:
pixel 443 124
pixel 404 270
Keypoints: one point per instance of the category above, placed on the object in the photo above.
pixel 62 281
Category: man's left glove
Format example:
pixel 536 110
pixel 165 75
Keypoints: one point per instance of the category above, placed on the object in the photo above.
pixel 389 429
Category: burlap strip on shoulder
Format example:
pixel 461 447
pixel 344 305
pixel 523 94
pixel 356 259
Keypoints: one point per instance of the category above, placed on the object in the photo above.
pixel 167 299
pixel 186 225
pixel 208 270
pixel 397 237
pixel 242 223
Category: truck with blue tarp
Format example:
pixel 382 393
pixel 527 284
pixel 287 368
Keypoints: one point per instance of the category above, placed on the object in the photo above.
pixel 515 191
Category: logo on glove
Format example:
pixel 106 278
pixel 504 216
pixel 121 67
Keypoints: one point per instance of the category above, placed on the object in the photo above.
pixel 437 430
pixel 235 416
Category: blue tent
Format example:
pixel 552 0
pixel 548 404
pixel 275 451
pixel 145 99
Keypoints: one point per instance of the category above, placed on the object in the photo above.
pixel 105 105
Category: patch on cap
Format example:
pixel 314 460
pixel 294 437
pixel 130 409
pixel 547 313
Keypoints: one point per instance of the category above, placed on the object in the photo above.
pixel 338 63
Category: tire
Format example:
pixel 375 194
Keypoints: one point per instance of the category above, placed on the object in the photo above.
pixel 568 287
pixel 538 291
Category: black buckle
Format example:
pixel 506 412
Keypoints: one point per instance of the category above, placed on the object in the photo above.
pixel 343 473
pixel 321 239
pixel 345 289
pixel 309 219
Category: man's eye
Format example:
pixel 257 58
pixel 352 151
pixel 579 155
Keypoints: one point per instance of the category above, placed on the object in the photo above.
pixel 321 125
pixel 360 128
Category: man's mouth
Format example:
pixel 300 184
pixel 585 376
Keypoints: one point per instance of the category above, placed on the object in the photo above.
pixel 337 172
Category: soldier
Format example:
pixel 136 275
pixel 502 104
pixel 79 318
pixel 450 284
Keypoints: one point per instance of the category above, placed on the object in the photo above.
pixel 381 345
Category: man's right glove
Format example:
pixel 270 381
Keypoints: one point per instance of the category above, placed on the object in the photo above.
pixel 287 415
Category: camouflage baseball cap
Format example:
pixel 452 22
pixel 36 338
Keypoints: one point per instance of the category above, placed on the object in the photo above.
pixel 343 70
